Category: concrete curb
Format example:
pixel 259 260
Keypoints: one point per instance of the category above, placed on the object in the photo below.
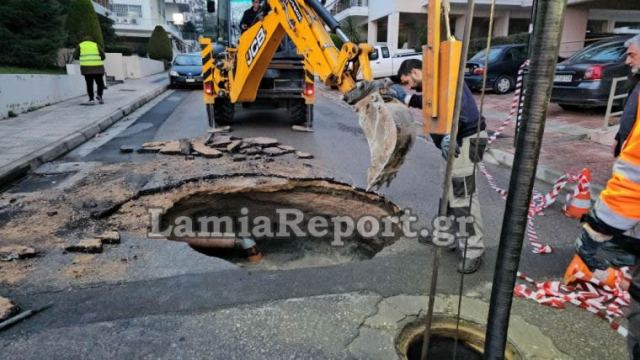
pixel 20 167
pixel 544 173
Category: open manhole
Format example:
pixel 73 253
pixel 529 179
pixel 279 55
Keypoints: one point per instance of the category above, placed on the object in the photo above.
pixel 330 215
pixel 443 340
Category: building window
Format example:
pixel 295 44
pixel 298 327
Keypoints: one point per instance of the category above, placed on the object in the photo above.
pixel 125 10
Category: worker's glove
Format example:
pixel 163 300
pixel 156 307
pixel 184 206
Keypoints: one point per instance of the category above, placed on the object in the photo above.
pixel 397 91
pixel 445 145
pixel 587 245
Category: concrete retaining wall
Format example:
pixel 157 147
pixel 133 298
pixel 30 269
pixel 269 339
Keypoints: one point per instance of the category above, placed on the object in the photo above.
pixel 131 67
pixel 137 67
pixel 25 92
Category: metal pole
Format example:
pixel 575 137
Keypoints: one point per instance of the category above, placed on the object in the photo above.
pixel 446 185
pixel 545 42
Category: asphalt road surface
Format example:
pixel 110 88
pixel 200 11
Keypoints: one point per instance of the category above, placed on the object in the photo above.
pixel 177 303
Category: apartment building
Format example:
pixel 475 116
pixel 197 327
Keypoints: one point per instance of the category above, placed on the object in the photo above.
pixel 134 21
pixel 402 23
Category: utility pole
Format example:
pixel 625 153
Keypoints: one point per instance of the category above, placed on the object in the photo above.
pixel 545 41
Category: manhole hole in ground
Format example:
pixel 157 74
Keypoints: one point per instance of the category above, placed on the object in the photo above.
pixel 322 209
pixel 442 342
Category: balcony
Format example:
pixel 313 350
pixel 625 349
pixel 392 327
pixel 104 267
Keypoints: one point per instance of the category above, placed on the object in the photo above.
pixel 350 8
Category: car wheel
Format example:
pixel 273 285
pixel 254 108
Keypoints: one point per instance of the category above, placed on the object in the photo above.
pixel 223 111
pixel 503 84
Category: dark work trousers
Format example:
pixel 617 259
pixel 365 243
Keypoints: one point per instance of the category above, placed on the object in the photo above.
pixel 99 79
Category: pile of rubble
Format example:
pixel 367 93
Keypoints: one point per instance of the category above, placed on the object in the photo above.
pixel 216 146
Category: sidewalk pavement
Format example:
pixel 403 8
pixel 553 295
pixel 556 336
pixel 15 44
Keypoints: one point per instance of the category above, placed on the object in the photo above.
pixel 45 134
pixel 572 141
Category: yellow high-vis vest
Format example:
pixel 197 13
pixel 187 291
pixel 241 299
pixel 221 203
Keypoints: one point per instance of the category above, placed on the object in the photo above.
pixel 619 203
pixel 89 54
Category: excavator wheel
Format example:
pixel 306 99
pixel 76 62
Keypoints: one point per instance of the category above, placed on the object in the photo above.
pixel 223 111
pixel 298 112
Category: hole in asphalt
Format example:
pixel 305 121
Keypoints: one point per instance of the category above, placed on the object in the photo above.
pixel 272 202
pixel 442 341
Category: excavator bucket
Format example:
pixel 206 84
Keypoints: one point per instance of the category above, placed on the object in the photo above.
pixel 387 125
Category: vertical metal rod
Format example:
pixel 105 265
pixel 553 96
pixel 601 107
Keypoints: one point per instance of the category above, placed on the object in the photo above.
pixel 475 165
pixel 545 42
pixel 448 173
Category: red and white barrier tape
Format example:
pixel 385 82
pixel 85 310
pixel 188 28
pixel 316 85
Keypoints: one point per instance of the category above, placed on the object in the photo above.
pixel 539 201
pixel 591 296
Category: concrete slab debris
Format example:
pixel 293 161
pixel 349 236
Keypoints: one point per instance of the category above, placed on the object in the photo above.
pixel 89 246
pixel 220 141
pixel 171 147
pixel 253 150
pixel 16 252
pixel 152 146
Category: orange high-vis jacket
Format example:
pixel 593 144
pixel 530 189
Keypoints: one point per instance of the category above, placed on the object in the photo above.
pixel 619 203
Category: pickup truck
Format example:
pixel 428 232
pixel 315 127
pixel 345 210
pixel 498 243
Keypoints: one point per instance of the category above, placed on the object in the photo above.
pixel 386 64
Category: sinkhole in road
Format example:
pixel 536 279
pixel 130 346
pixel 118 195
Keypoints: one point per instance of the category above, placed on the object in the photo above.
pixel 470 346
pixel 262 208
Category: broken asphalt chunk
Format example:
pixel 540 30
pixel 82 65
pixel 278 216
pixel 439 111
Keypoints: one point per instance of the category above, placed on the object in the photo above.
pixel 220 141
pixel 273 151
pixel 16 252
pixel 109 237
pixel 261 141
pixel 234 145
pixel 89 246
pixel 303 155
pixel 152 146
pixel 7 308
pixel 202 149
pixel 126 149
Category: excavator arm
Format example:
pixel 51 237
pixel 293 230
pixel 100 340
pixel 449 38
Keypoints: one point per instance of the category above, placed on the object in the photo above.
pixel 385 121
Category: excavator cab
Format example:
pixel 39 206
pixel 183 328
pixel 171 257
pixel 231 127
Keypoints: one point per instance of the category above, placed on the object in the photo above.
pixel 286 84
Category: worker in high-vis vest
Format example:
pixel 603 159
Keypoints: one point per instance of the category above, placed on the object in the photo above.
pixel 613 223
pixel 92 67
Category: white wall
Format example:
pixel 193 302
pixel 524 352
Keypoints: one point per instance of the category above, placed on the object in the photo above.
pixel 114 66
pixel 25 92
pixel 573 31
pixel 137 67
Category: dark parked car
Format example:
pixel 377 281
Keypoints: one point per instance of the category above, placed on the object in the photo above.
pixel 585 79
pixel 504 62
pixel 186 69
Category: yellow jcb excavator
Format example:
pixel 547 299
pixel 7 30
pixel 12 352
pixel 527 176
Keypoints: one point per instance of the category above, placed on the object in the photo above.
pixel 236 75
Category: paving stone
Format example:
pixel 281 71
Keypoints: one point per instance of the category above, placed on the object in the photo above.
pixel 7 308
pixel 89 246
pixel 16 252
pixel 109 237
pixel 303 155
pixel 262 141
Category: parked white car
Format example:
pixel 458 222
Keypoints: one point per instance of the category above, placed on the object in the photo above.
pixel 384 63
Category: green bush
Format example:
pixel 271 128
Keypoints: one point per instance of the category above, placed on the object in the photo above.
pixel 82 21
pixel 159 47
pixel 31 32
pixel 477 45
